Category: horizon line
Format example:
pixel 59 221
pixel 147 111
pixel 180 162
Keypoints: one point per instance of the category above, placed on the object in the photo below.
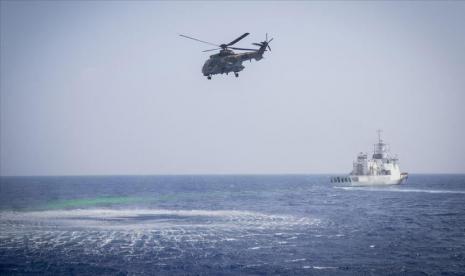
pixel 215 174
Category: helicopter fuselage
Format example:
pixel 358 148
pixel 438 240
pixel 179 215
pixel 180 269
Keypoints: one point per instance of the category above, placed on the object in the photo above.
pixel 227 61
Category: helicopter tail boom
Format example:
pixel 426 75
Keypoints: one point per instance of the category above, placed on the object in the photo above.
pixel 263 47
pixel 260 53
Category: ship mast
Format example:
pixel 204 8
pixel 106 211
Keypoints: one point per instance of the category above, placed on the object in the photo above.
pixel 379 148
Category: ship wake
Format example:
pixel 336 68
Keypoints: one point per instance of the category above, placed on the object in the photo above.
pixel 400 190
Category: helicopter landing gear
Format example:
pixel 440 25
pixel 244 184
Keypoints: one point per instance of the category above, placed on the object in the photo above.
pixel 209 77
pixel 236 74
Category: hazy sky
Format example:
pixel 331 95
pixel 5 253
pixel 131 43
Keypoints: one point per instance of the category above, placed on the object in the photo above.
pixel 92 87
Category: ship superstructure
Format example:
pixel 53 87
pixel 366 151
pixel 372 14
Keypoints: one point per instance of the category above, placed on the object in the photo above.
pixel 381 169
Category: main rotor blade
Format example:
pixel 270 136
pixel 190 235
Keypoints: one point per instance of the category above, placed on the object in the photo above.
pixel 237 39
pixel 245 49
pixel 216 49
pixel 199 40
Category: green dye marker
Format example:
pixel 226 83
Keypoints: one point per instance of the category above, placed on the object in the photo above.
pixel 86 202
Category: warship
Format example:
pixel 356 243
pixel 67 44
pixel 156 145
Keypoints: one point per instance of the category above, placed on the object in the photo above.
pixel 381 169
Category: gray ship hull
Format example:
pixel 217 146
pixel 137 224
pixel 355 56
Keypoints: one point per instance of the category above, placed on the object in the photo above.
pixel 370 180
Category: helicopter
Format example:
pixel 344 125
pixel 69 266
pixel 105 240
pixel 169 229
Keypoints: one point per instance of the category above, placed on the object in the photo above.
pixel 226 61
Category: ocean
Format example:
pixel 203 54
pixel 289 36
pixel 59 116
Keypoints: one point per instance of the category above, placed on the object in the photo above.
pixel 230 225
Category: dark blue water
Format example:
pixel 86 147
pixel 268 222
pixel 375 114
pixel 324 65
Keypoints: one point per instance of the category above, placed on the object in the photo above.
pixel 231 225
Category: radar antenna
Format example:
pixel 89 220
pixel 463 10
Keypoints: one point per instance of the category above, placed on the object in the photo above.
pixel 379 135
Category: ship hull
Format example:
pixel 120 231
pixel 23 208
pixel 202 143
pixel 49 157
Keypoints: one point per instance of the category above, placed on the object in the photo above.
pixel 374 180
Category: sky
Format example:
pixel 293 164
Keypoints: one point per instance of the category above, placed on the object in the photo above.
pixel 109 87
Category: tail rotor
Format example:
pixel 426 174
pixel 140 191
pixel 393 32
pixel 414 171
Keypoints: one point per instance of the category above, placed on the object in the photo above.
pixel 264 44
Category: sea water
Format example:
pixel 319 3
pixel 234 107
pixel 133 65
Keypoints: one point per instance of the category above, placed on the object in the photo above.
pixel 233 224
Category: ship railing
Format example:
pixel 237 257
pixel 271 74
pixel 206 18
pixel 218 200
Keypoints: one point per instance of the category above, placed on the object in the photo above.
pixel 341 179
